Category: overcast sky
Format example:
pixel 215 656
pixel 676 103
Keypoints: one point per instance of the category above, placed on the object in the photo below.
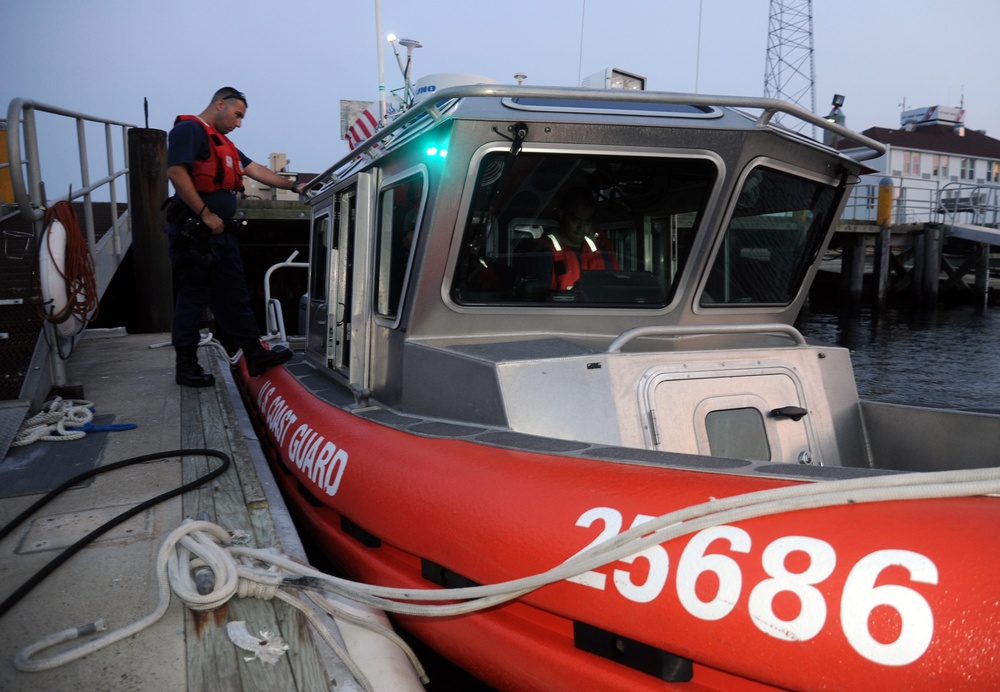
pixel 297 60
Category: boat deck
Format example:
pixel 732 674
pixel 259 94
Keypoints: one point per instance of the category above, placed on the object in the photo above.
pixel 114 577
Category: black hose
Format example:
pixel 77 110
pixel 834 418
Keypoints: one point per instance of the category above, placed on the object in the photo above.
pixel 65 555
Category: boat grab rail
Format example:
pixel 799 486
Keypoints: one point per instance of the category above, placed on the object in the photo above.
pixel 274 316
pixel 710 330
pixel 433 106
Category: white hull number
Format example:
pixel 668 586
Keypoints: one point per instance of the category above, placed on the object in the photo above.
pixel 859 598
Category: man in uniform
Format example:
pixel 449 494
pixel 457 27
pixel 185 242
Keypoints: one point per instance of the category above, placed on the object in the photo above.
pixel 206 170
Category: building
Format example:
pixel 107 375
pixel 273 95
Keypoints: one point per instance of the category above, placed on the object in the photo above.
pixel 255 190
pixel 936 164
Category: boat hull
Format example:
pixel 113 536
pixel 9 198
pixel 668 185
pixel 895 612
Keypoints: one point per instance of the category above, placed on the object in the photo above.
pixel 864 596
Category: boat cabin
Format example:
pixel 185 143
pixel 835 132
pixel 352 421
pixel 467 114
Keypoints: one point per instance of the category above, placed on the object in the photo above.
pixel 446 283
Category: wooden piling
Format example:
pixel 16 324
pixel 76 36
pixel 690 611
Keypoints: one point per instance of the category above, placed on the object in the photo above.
pixel 852 267
pixel 154 303
pixel 932 264
pixel 983 276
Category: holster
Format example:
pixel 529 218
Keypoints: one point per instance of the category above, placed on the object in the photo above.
pixel 194 265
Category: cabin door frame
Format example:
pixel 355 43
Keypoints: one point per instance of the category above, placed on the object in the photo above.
pixel 340 315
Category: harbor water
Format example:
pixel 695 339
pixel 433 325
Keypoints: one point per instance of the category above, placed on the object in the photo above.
pixel 945 357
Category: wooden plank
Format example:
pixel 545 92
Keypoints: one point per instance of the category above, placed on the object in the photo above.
pixel 253 492
pixel 303 656
pixel 211 656
pixel 256 675
pixel 213 661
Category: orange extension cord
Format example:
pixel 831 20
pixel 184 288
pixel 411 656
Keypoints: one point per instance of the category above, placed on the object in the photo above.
pixel 77 272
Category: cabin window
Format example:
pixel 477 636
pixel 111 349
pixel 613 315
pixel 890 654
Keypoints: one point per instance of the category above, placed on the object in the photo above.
pixel 776 231
pixel 737 433
pixel 580 230
pixel 319 283
pixel 399 211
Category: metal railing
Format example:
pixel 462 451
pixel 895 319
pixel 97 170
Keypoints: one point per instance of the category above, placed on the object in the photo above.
pixel 926 201
pixel 25 169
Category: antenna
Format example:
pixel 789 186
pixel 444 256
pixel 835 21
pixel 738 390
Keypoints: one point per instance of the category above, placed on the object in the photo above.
pixel 790 73
pixel 410 44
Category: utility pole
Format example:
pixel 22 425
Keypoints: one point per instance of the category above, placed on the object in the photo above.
pixel 790 72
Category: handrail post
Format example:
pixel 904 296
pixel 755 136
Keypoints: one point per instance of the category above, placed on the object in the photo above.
pixel 35 200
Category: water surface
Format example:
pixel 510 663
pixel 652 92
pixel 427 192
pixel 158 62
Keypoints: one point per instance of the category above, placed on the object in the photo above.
pixel 944 357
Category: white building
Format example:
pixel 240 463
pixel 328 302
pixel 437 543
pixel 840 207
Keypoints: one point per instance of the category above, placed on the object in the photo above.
pixel 255 190
pixel 935 163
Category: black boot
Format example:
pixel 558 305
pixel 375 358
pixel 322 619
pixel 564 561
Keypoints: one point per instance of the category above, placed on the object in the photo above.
pixel 189 372
pixel 260 360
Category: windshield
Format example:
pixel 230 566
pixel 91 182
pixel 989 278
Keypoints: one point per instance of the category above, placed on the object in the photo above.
pixel 553 229
pixel 776 231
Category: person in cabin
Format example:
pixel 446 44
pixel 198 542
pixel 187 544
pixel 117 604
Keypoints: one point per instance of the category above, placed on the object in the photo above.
pixel 206 170
pixel 575 247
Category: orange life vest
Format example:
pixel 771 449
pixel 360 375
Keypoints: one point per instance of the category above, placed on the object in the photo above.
pixel 223 169
pixel 567 265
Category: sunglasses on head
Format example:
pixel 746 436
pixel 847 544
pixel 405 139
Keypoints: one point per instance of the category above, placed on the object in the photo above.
pixel 236 95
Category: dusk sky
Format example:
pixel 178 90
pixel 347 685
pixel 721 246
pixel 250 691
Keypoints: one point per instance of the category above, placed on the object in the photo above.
pixel 296 61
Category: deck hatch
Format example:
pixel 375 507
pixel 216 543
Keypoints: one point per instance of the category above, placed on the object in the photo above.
pixel 727 412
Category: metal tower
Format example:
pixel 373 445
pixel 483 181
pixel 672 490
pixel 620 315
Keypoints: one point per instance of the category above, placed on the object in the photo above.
pixel 790 73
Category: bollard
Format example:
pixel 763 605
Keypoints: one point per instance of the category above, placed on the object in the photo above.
pixel 884 211
pixel 883 244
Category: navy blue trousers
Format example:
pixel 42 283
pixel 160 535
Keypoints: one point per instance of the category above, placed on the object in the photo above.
pixel 208 272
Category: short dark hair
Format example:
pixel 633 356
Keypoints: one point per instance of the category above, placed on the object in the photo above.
pixel 226 93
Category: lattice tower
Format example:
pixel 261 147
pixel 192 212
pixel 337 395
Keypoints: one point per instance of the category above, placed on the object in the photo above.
pixel 790 73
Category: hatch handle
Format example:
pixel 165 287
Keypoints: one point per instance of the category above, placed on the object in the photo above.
pixel 794 412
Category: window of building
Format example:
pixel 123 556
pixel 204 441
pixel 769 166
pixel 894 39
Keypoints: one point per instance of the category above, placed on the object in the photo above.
pixel 993 171
pixel 940 166
pixel 968 168
pixel 911 163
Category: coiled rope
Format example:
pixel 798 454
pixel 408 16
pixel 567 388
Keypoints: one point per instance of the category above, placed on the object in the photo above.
pixel 59 420
pixel 62 420
pixel 238 572
pixel 77 271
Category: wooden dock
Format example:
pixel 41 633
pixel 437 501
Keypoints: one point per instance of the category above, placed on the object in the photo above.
pixel 915 261
pixel 114 577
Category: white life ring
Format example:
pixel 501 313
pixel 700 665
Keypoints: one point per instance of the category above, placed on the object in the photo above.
pixel 51 271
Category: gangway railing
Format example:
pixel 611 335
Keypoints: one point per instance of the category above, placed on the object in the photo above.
pixel 23 167
pixel 926 201
pixel 974 203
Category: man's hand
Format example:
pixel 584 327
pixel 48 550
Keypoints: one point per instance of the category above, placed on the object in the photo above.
pixel 215 224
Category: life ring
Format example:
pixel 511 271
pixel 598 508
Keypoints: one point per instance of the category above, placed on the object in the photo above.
pixel 55 287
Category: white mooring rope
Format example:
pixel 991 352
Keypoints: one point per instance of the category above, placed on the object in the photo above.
pixel 60 420
pixel 250 572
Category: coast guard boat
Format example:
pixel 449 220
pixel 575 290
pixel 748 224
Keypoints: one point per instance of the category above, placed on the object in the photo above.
pixel 643 477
